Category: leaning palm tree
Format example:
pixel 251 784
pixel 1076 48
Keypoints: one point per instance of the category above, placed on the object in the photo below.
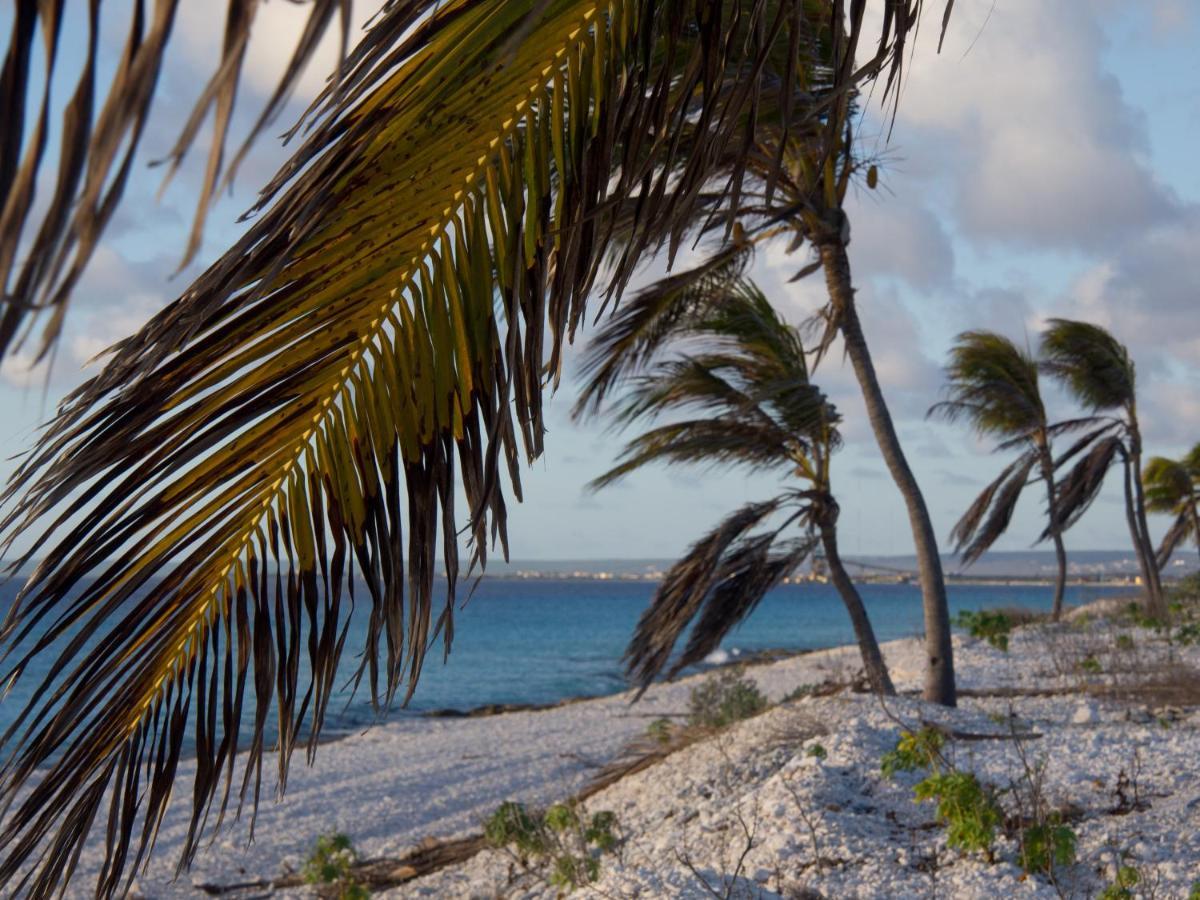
pixel 736 376
pixel 793 187
pixel 1097 371
pixel 993 385
pixel 300 419
pixel 1172 488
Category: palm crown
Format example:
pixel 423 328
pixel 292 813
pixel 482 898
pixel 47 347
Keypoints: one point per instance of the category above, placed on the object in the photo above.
pixel 711 353
pixel 1173 488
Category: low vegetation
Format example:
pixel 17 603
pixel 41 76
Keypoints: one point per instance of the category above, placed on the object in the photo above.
pixel 725 698
pixel 563 845
pixel 993 626
pixel 330 868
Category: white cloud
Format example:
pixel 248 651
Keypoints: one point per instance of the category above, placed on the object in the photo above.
pixel 1040 145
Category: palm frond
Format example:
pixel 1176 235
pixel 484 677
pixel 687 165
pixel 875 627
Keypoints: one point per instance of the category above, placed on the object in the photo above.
pixel 1000 495
pixel 1003 497
pixel 294 422
pixel 1181 529
pixel 1168 485
pixel 743 374
pixel 100 140
pixel 1075 493
pixel 654 316
pixel 713 587
pixel 994 386
pixel 1092 364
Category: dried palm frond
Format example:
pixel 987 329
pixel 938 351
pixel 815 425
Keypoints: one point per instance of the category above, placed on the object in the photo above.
pixel 1077 491
pixel 99 140
pixel 989 516
pixel 716 584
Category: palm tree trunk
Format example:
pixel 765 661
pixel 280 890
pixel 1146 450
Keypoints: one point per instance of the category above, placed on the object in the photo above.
pixel 868 646
pixel 1195 522
pixel 939 651
pixel 1157 602
pixel 1135 515
pixel 1060 552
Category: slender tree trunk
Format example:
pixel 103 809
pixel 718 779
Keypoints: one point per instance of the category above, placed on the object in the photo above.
pixel 1060 552
pixel 1157 602
pixel 1145 556
pixel 1195 524
pixel 939 651
pixel 868 646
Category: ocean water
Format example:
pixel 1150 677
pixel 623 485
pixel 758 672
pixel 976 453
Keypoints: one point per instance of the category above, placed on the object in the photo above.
pixel 539 641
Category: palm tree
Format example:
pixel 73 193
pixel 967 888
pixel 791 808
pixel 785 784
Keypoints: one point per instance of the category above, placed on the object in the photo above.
pixel 1171 488
pixel 299 419
pixel 793 185
pixel 993 385
pixel 735 374
pixel 1097 371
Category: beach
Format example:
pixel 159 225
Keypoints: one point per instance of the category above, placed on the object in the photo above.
pixel 829 823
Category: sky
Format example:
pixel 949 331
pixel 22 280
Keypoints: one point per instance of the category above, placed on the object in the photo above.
pixel 1042 165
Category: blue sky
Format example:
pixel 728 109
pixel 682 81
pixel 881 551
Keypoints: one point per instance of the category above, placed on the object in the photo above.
pixel 1042 165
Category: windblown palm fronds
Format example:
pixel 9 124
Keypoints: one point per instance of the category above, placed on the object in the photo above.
pixel 793 186
pixel 1173 488
pixel 707 349
pixel 993 385
pixel 1098 372
pixel 99 140
pixel 292 425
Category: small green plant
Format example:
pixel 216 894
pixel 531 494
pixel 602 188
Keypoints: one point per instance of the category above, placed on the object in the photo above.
pixel 1187 635
pixel 914 750
pixel 1090 665
pixel 513 824
pixel 560 840
pixel 968 809
pixel 1048 845
pixel 659 730
pixel 1122 887
pixel 989 625
pixel 331 865
pixel 816 751
pixel 1124 641
pixel 1194 893
pixel 724 699
pixel 1137 616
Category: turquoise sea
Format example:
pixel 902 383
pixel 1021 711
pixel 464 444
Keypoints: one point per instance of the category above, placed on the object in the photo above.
pixel 542 640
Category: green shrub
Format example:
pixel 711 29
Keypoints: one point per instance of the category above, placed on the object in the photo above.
pixel 913 751
pixel 1090 665
pixel 1188 634
pixel 1194 893
pixel 1047 845
pixel 1124 641
pixel 1122 887
pixel 559 840
pixel 331 864
pixel 989 625
pixel 724 699
pixel 1138 616
pixel 512 823
pixel 968 809
pixel 816 751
